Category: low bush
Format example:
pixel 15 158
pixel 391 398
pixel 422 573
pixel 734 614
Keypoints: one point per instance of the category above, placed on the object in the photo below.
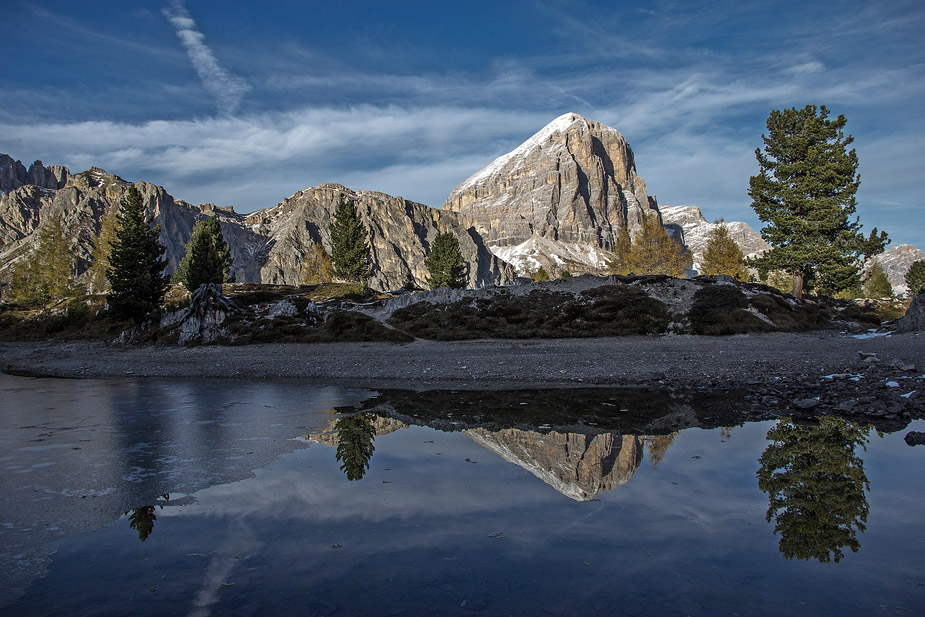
pixel 611 310
pixel 722 309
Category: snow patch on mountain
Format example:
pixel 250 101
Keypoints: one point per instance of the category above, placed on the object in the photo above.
pixel 537 251
pixel 558 125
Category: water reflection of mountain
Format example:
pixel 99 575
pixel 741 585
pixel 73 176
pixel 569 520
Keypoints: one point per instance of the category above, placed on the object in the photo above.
pixel 577 465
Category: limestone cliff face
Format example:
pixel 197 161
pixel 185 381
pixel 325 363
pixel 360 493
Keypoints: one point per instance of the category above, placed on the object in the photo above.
pixel 86 197
pixel 266 246
pixel 573 183
pixel 694 231
pixel 400 233
pixel 577 465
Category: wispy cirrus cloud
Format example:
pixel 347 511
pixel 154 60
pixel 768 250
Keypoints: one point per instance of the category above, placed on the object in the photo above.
pixel 227 89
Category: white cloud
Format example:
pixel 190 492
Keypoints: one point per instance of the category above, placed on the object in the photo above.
pixel 225 87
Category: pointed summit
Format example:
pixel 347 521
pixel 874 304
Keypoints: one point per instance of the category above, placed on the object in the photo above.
pixel 573 184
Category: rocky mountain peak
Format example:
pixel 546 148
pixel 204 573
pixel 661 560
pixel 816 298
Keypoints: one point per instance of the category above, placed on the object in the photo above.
pixel 573 183
pixel 13 175
pixel 693 229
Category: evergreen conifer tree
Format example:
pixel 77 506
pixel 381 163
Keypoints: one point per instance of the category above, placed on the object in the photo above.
pixel 355 436
pixel 349 244
pixel 44 275
pixel 655 252
pixel 816 487
pixel 136 265
pixel 723 256
pixel 805 193
pixel 915 278
pixel 316 266
pixel 445 263
pixel 207 258
pixel 876 283
pixel 102 248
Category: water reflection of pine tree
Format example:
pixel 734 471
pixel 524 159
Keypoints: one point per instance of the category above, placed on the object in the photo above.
pixel 657 446
pixel 355 435
pixel 142 520
pixel 816 487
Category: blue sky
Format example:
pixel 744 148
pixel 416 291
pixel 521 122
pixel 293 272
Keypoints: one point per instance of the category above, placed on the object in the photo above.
pixel 246 103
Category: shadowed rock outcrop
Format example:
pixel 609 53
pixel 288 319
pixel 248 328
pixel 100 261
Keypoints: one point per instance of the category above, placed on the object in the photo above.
pixel 914 319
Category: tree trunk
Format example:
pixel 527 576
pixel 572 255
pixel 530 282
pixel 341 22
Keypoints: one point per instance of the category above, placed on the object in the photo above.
pixel 797 291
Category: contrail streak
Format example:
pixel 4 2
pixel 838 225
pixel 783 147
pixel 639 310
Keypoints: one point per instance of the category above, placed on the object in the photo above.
pixel 225 87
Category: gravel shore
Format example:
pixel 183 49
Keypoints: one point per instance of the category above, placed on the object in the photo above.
pixel 677 360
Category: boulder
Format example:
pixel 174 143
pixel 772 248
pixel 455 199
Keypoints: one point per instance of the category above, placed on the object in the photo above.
pixel 914 319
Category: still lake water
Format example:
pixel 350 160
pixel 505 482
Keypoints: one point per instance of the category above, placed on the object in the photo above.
pixel 212 498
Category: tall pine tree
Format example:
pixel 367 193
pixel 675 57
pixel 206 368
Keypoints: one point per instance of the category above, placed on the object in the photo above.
pixel 445 263
pixel 349 244
pixel 805 193
pixel 207 258
pixel 136 265
pixel 102 248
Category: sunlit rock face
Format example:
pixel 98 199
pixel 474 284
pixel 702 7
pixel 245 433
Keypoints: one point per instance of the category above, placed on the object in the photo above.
pixel 86 197
pixel 577 465
pixel 574 182
pixel 400 233
pixel 695 232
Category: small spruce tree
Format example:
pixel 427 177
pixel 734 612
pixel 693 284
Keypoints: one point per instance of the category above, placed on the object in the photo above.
pixel 655 252
pixel 207 258
pixel 876 283
pixel 136 263
pixel 45 275
pixel 723 256
pixel 445 263
pixel 316 266
pixel 915 278
pixel 349 244
pixel 540 275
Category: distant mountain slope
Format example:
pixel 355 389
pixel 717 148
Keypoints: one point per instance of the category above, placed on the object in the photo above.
pixel 266 246
pixel 696 229
pixel 896 261
pixel 558 199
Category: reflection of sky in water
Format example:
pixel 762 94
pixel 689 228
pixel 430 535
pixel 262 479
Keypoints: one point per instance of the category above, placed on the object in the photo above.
pixel 427 532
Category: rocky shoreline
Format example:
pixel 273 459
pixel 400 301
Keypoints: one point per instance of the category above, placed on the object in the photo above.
pixel 874 375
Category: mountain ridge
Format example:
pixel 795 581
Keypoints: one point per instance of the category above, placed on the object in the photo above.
pixel 556 201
